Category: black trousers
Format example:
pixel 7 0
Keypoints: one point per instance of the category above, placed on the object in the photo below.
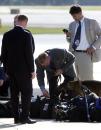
pixel 4 88
pixel 21 85
pixel 53 83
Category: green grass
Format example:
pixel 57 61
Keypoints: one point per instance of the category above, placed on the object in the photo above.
pixel 4 29
pixel 45 30
pixel 91 7
pixel 57 7
pixel 67 7
pixel 35 30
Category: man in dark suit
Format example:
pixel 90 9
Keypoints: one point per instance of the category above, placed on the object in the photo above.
pixel 56 62
pixel 17 58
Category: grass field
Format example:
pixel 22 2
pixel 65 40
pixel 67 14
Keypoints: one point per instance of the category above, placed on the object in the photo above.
pixel 56 7
pixel 67 7
pixel 35 30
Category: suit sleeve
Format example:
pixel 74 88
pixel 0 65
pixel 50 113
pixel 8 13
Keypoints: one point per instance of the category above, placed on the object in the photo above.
pixel 4 53
pixel 97 28
pixel 28 53
pixel 40 76
pixel 68 61
pixel 33 44
pixel 32 40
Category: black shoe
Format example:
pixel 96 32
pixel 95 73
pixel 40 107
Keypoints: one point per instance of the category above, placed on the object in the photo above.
pixel 27 121
pixel 16 121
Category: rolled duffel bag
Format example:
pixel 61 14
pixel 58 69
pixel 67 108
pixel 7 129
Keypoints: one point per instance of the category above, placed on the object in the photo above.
pixel 39 107
pixel 97 110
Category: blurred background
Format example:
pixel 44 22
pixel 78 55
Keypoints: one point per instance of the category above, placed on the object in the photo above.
pixel 47 18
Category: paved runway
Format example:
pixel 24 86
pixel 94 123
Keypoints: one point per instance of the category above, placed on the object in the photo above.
pixel 7 124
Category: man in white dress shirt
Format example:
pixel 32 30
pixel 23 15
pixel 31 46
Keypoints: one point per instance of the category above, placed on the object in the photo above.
pixel 84 36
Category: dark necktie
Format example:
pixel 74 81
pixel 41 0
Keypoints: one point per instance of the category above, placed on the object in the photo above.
pixel 77 37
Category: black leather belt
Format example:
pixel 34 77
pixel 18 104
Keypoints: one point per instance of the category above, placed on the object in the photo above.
pixel 81 51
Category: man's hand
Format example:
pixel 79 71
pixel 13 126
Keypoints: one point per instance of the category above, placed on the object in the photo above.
pixel 33 75
pixel 68 34
pixel 90 50
pixel 1 82
pixel 46 94
pixel 58 72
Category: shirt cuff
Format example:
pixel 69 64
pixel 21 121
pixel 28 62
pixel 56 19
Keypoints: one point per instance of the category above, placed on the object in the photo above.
pixel 94 47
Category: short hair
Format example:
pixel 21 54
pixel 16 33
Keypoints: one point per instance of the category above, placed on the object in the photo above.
pixel 22 18
pixel 42 57
pixel 16 17
pixel 15 20
pixel 75 9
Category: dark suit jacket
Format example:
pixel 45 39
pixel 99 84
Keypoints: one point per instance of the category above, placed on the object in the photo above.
pixel 16 53
pixel 60 59
pixel 33 43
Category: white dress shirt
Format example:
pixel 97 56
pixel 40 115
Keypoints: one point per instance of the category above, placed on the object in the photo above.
pixel 83 39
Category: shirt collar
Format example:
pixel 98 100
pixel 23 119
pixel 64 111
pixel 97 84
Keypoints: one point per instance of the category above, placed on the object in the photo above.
pixel 82 20
pixel 20 26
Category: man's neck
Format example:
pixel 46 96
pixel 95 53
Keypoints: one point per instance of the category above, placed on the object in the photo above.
pixel 20 26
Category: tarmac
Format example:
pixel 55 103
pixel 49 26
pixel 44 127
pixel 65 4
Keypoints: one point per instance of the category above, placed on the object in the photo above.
pixel 7 124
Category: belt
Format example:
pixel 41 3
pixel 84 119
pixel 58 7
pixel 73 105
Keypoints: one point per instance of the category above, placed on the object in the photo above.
pixel 81 51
